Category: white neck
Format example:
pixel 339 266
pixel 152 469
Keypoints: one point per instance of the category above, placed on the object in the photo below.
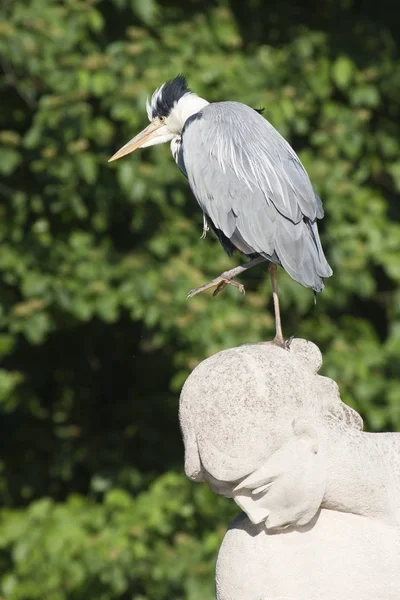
pixel 188 105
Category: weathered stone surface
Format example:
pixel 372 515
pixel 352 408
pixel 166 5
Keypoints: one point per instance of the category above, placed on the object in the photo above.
pixel 337 556
pixel 321 498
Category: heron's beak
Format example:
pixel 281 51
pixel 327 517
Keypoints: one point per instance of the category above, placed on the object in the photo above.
pixel 144 137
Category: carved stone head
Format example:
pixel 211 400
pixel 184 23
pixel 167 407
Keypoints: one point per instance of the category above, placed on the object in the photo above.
pixel 251 419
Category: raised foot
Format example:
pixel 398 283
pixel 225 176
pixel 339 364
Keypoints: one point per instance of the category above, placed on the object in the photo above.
pixel 219 283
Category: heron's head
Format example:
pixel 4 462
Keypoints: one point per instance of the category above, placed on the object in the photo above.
pixel 170 106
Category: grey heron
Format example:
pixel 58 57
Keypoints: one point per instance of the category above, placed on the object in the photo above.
pixel 250 184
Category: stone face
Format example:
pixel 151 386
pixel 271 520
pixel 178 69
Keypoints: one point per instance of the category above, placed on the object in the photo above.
pixel 262 427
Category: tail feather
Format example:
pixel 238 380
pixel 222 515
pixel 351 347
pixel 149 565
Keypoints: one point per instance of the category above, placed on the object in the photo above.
pixel 300 252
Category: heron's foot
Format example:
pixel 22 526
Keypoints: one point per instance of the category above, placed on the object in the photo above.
pixel 219 284
pixel 280 341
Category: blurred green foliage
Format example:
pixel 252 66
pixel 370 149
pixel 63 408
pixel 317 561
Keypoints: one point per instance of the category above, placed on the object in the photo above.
pixel 96 333
pixel 160 544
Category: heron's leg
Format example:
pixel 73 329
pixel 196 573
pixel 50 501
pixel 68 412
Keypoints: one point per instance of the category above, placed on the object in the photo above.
pixel 226 278
pixel 278 339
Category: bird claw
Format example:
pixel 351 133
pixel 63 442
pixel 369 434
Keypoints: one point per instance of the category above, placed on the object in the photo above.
pixel 206 227
pixel 226 282
pixel 281 342
pixel 220 283
pixel 288 342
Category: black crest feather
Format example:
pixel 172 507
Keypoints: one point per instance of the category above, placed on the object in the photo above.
pixel 171 92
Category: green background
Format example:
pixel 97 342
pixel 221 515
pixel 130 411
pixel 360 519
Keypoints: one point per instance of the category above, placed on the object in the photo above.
pixel 96 259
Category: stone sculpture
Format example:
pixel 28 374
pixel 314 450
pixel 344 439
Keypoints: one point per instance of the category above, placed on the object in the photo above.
pixel 320 497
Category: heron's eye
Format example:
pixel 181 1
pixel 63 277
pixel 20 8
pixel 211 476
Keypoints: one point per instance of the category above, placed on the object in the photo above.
pixel 162 119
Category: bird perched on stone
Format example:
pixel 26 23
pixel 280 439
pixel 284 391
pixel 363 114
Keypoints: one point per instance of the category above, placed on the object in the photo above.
pixel 251 186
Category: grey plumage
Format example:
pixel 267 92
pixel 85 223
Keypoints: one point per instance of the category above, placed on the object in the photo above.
pixel 253 189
